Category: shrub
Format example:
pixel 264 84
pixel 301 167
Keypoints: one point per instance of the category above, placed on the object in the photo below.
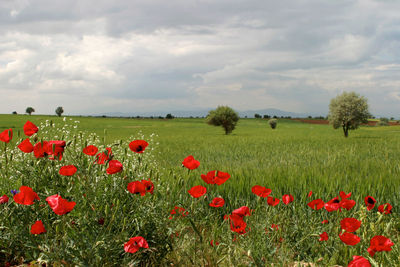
pixel 273 123
pixel 383 122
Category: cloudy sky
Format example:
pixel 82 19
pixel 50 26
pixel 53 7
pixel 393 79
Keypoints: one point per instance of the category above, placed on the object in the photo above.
pixel 96 56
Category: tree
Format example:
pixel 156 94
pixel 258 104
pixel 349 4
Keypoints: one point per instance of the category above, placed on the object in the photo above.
pixel 29 110
pixel 257 116
pixel 273 123
pixel 348 111
pixel 14 112
pixel 169 116
pixel 223 116
pixel 59 111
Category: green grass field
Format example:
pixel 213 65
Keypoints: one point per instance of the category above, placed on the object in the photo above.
pixel 295 155
pixel 295 158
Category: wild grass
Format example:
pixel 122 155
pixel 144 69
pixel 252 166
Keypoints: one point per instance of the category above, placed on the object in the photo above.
pixel 294 158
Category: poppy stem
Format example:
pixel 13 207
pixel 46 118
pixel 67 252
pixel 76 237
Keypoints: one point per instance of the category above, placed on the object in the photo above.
pixel 5 157
pixel 196 230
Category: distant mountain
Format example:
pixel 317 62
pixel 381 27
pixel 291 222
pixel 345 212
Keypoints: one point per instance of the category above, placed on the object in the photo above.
pixel 271 112
pixel 203 112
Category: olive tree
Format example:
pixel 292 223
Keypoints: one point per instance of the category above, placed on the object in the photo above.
pixel 29 110
pixel 223 116
pixel 59 111
pixel 348 111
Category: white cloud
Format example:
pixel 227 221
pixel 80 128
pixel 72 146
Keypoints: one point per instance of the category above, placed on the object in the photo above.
pixel 151 55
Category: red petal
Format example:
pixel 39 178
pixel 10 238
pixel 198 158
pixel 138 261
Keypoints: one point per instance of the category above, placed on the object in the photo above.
pixel 30 128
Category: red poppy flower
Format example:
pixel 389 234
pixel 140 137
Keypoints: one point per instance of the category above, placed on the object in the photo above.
pixel 26 146
pixel 26 196
pixel 379 243
pixel 272 201
pixel 137 187
pixel 178 210
pixel 37 228
pixel 135 243
pixel 370 202
pixel 214 243
pixel 359 261
pixel 6 135
pixel 347 204
pixel 221 177
pixel 238 225
pixel 349 238
pixel 197 191
pixel 286 199
pixel 148 185
pixel 90 150
pixel 385 208
pixel 114 166
pixel 325 222
pixel 242 211
pixel 309 194
pixel 55 148
pixel 102 157
pixel 38 150
pixel 274 227
pixel 343 195
pixel 138 146
pixel 218 179
pixel 4 199
pixel 68 170
pixel 30 128
pixel 323 237
pixel 190 163
pixel 261 191
pixel 209 178
pixel 316 204
pixel 333 204
pixel 350 224
pixel 217 202
pixel 59 205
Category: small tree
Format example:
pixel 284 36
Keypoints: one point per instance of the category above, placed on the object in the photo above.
pixel 223 116
pixel 169 116
pixel 273 123
pixel 257 116
pixel 348 111
pixel 14 112
pixel 59 111
pixel 29 110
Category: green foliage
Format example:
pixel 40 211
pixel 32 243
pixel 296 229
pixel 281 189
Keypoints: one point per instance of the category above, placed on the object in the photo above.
pixel 29 110
pixel 348 111
pixel 223 116
pixel 169 116
pixel 383 122
pixel 273 123
pixel 257 116
pixel 59 111
pixel 295 160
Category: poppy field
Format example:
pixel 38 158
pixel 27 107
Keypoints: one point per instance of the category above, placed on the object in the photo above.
pixel 140 192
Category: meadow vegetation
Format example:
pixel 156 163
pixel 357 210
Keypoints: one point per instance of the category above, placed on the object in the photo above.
pixel 295 158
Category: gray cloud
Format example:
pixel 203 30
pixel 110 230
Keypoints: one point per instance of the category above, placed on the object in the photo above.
pixel 95 56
